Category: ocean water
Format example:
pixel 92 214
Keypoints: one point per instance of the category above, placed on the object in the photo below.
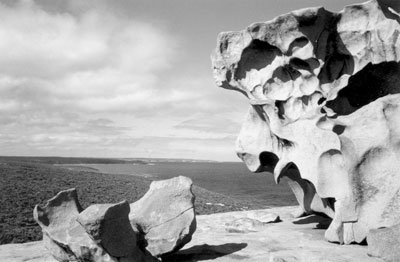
pixel 229 178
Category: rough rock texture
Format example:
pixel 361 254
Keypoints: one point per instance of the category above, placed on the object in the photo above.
pixel 165 215
pixel 324 94
pixel 161 222
pixel 65 239
pixel 385 243
pixel 299 240
pixel 108 225
pixel 253 222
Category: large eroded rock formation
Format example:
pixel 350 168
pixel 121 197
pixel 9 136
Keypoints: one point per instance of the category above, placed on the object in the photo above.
pixel 160 223
pixel 325 110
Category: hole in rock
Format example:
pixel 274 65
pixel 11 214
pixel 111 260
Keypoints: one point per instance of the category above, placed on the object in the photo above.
pixel 307 65
pixel 369 84
pixel 286 73
pixel 300 64
pixel 280 108
pixel 304 190
pixel 331 202
pixel 313 63
pixel 297 43
pixel 321 100
pixel 338 129
pixel 335 66
pixel 257 55
pixel 313 26
pixel 363 243
pixel 268 161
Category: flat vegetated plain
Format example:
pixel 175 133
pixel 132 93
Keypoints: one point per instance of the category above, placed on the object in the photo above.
pixel 25 182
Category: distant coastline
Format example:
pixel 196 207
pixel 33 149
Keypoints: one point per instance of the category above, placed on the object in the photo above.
pixel 27 181
pixel 99 160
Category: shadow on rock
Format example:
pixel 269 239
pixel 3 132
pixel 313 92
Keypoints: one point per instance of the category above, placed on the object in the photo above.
pixel 322 222
pixel 206 252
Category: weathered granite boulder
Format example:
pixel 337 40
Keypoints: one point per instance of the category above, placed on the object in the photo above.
pixel 385 243
pixel 324 94
pixel 159 223
pixel 165 215
pixel 108 225
pixel 65 239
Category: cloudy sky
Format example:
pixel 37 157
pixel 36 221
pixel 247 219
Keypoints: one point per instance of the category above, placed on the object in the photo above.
pixel 122 78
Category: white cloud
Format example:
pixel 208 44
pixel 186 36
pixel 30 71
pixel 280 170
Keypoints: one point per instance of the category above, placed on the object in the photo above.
pixel 83 83
pixel 84 61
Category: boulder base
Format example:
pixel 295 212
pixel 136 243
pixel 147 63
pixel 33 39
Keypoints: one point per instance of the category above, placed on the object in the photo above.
pixel 160 223
pixel 385 243
pixel 300 239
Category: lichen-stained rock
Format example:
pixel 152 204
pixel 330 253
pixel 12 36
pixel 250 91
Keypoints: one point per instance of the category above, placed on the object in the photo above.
pixel 63 235
pixel 324 93
pixel 385 243
pixel 165 215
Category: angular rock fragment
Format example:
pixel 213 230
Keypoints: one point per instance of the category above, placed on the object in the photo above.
pixel 264 217
pixel 244 225
pixel 385 243
pixel 165 215
pixel 283 258
pixel 324 90
pixel 255 221
pixel 58 211
pixel 108 225
pixel 159 223
pixel 62 234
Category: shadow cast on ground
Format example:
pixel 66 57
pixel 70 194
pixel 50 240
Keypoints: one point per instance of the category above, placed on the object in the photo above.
pixel 206 252
pixel 322 222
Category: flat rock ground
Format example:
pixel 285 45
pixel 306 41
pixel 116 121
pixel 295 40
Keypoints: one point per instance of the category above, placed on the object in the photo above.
pixel 236 236
pixel 231 236
pixel 25 182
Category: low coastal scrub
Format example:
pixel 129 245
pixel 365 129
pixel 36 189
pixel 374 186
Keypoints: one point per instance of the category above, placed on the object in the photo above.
pixel 26 182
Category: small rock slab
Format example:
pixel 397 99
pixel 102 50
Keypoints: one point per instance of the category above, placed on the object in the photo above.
pixel 244 225
pixel 264 217
pixel 255 221
pixel 385 243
